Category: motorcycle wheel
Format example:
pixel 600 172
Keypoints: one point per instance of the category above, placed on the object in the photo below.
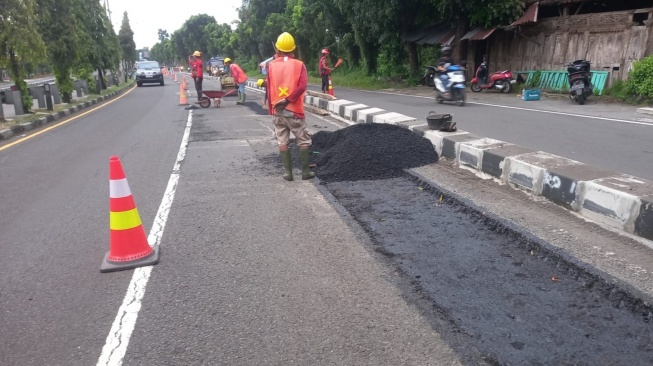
pixel 507 87
pixel 428 80
pixel 461 98
pixel 475 87
pixel 580 99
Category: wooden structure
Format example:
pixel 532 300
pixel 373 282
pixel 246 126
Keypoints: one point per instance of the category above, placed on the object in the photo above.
pixel 553 33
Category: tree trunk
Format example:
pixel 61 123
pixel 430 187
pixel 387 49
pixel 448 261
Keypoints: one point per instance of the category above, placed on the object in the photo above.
pixel 100 76
pixel 413 60
pixel 460 51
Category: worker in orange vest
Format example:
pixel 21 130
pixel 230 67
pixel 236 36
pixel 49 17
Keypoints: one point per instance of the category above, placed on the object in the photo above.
pixel 197 71
pixel 240 78
pixel 286 83
pixel 324 70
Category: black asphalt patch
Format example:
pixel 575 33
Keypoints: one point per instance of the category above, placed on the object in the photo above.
pixel 369 151
pixel 508 296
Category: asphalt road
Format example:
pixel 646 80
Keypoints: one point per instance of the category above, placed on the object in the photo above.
pixel 606 142
pixel 256 270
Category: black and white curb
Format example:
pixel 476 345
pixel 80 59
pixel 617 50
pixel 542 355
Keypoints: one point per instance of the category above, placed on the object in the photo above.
pixel 620 201
pixel 23 127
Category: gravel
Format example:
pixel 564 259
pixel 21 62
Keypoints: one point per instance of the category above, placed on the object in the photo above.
pixel 369 152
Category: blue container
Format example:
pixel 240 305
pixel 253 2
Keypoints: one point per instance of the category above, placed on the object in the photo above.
pixel 531 94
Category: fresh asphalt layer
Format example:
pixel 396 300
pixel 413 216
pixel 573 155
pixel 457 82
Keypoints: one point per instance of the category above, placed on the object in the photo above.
pixel 256 270
pixel 607 143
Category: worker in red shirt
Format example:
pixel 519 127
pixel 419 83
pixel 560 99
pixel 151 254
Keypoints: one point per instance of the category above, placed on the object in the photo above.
pixel 286 83
pixel 324 70
pixel 240 78
pixel 197 71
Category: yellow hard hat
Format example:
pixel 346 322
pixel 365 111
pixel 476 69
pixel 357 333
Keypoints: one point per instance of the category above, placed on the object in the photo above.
pixel 285 42
pixel 227 60
pixel 260 82
pixel 197 53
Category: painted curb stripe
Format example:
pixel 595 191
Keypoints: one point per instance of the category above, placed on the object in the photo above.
pixel 124 220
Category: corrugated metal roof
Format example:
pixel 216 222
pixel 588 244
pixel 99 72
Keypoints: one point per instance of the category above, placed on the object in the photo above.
pixel 441 34
pixel 478 34
pixel 530 15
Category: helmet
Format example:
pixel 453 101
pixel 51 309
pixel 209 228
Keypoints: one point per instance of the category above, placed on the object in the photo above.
pixel 197 53
pixel 447 51
pixel 227 60
pixel 260 82
pixel 285 42
pixel 326 50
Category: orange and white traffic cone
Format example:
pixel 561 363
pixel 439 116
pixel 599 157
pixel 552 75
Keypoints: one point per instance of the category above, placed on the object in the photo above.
pixel 128 246
pixel 331 87
pixel 183 82
pixel 182 95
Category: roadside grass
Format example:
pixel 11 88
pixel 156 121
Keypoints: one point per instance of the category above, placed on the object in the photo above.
pixel 37 113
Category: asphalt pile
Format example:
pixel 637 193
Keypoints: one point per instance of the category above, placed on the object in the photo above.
pixel 369 152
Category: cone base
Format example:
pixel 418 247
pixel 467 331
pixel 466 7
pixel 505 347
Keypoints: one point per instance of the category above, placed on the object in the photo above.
pixel 109 266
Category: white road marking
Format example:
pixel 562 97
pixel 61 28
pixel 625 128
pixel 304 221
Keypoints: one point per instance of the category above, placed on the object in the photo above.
pixel 116 343
pixel 636 122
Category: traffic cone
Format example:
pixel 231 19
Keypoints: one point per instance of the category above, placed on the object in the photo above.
pixel 330 87
pixel 128 247
pixel 183 82
pixel 182 95
pixel 176 77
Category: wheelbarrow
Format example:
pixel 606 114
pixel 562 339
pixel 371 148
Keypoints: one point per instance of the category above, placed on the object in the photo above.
pixel 215 95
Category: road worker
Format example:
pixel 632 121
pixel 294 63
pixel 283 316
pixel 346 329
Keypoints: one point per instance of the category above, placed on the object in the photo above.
pixel 286 83
pixel 240 78
pixel 197 71
pixel 324 70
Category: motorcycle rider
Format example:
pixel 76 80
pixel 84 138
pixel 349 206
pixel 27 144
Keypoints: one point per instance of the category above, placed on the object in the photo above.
pixel 443 63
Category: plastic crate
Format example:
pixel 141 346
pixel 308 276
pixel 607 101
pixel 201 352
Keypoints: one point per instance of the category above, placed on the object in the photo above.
pixel 531 94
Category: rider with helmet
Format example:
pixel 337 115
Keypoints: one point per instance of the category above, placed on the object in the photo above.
pixel 444 62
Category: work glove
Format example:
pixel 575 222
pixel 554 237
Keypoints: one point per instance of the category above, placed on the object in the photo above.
pixel 281 105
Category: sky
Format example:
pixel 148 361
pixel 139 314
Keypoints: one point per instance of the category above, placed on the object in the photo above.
pixel 147 16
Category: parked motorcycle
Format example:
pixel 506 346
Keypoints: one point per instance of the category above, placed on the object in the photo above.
pixel 580 81
pixel 429 73
pixel 500 80
pixel 454 91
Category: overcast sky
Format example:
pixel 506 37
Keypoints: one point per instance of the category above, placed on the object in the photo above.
pixel 147 16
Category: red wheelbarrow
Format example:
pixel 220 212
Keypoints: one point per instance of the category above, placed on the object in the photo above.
pixel 215 95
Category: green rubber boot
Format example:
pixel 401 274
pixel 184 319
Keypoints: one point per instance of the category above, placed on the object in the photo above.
pixel 304 159
pixel 287 164
pixel 240 98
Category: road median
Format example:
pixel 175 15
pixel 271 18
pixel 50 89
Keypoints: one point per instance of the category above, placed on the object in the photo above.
pixel 618 201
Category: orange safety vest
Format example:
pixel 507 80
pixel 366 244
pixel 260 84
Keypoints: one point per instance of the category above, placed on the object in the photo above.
pixel 284 73
pixel 238 73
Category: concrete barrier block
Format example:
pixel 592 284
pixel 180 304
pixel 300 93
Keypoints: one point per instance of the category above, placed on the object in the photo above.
pixel 350 111
pixel 437 137
pixel 335 106
pixel 644 221
pixel 561 183
pixel 6 134
pixel 608 206
pixel 471 152
pixel 451 143
pixel 392 118
pixel 530 170
pixel 367 115
pixel 493 159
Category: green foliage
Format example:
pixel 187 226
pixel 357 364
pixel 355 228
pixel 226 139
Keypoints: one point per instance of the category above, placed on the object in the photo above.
pixel 534 81
pixel 126 41
pixel 640 78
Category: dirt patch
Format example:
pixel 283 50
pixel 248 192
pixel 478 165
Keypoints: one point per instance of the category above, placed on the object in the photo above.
pixel 369 151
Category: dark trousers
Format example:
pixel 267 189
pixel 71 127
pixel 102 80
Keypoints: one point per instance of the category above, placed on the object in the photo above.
pixel 198 87
pixel 325 83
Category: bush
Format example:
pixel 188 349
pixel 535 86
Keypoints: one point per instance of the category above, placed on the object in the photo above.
pixel 640 79
pixel 534 82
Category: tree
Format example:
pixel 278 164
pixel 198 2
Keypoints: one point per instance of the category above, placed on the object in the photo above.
pixel 19 42
pixel 163 34
pixel 100 47
pixel 57 25
pixel 127 44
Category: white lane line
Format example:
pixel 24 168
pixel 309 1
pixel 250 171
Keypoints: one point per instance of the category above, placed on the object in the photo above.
pixel 520 108
pixel 115 346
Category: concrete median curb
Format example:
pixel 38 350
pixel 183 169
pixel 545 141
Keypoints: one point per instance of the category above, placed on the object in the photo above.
pixel 619 201
pixel 17 129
